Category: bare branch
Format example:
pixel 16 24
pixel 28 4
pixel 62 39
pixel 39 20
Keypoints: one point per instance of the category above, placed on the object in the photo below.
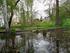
pixel 17 2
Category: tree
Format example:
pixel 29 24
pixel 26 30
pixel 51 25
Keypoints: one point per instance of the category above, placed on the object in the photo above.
pixel 57 24
pixel 12 6
pixel 8 6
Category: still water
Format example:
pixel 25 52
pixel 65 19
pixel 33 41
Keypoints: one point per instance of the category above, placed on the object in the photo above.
pixel 35 43
pixel 40 44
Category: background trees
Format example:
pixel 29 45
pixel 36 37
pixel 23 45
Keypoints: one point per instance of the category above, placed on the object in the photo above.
pixel 58 16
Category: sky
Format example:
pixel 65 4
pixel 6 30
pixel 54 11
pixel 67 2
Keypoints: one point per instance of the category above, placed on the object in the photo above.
pixel 39 6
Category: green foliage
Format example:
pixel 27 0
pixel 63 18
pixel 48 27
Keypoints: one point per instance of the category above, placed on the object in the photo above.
pixel 65 15
pixel 46 24
pixel 66 22
pixel 11 3
pixel 29 2
pixel 1 2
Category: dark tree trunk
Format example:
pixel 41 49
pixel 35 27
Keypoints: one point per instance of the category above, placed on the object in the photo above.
pixel 57 46
pixel 12 13
pixel 44 34
pixel 10 20
pixel 57 24
pixel 58 20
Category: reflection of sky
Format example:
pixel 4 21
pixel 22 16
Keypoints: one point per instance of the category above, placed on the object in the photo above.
pixel 2 43
pixel 40 45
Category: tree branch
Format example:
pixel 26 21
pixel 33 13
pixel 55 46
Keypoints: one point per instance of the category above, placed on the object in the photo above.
pixel 17 2
pixel 10 20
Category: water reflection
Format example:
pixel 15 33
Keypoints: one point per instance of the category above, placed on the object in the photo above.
pixel 40 45
pixel 2 43
pixel 34 43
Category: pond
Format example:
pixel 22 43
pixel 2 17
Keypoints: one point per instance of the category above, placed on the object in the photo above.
pixel 35 43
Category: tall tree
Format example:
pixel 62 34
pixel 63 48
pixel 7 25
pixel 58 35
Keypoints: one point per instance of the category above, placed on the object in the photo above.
pixel 58 21
pixel 5 5
pixel 57 24
pixel 5 14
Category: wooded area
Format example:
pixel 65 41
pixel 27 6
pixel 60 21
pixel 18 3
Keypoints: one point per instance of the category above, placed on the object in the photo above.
pixel 21 18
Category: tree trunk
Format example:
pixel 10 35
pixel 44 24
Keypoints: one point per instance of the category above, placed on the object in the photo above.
pixel 4 10
pixel 58 21
pixel 5 22
pixel 57 46
pixel 57 24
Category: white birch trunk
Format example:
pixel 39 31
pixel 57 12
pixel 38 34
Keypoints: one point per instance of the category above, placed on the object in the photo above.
pixel 5 15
